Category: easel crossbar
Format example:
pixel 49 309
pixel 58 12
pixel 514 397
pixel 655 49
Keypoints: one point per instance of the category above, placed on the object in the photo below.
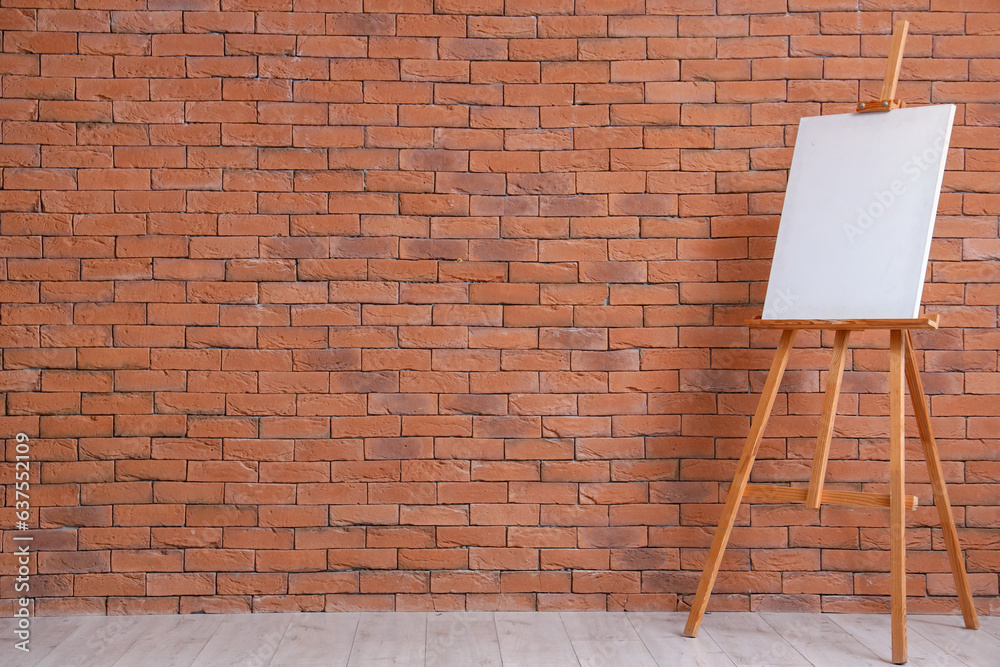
pixel 789 494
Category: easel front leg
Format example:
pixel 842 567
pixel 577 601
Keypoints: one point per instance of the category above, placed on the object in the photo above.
pixel 936 474
pixel 739 484
pixel 897 505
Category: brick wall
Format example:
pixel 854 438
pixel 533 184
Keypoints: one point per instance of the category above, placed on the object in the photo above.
pixel 410 304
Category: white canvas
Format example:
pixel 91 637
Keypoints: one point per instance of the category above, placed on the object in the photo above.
pixel 858 216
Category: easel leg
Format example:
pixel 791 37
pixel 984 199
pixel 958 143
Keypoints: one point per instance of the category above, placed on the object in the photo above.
pixel 826 419
pixel 897 509
pixel 739 483
pixel 940 490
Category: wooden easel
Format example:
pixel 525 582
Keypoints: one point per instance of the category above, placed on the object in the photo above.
pixel 902 362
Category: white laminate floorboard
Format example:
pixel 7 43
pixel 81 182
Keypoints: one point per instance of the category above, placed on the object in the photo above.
pixel 973 647
pixel 821 641
pixel 990 624
pixel 460 639
pixel 748 640
pixel 46 633
pixel 389 639
pixel 662 633
pixel 175 645
pixel 317 639
pixel 501 639
pixel 598 626
pixel 246 640
pixel 534 639
pixel 874 631
pixel 102 640
pixel 613 654
pixel 605 638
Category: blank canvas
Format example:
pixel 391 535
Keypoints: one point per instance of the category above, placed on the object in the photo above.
pixel 858 216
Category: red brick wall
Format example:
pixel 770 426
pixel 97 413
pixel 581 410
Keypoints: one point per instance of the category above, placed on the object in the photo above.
pixel 400 304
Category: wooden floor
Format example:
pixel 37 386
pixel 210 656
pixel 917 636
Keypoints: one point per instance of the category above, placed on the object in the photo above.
pixel 635 639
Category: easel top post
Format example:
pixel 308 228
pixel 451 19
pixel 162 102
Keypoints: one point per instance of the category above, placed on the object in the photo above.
pixel 899 32
pixel 887 100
